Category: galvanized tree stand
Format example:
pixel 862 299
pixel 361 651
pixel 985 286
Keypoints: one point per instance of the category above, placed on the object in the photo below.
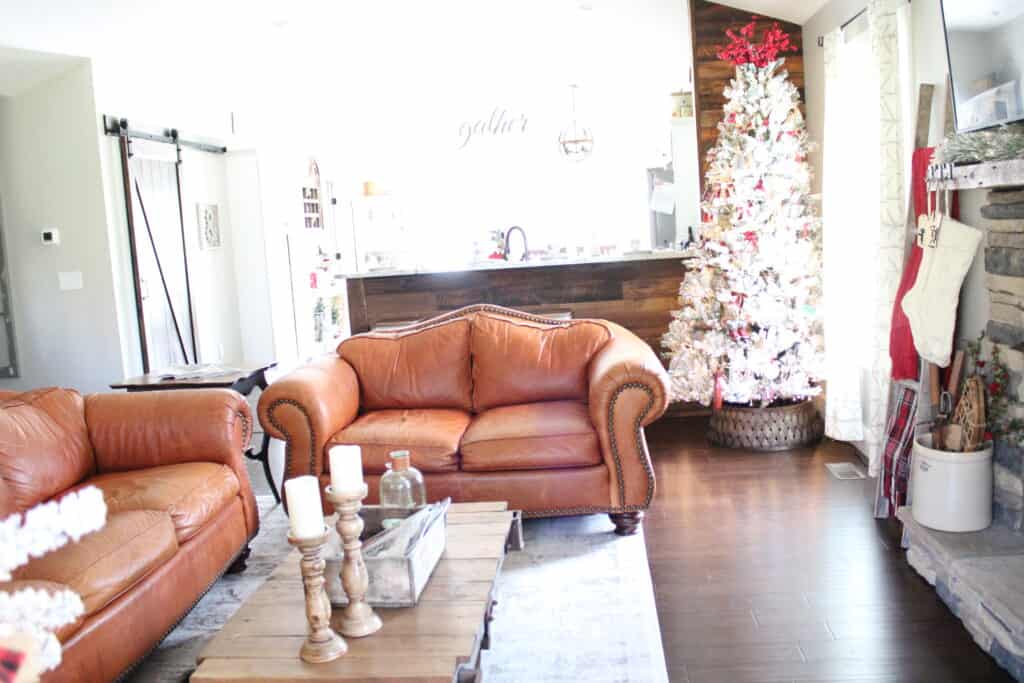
pixel 766 429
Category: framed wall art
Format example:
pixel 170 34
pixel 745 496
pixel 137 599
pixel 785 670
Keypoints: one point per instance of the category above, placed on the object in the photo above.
pixel 209 226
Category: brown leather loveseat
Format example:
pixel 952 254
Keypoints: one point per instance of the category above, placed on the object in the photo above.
pixel 493 404
pixel 180 509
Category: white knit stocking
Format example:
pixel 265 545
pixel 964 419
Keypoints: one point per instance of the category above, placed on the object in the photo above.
pixel 931 303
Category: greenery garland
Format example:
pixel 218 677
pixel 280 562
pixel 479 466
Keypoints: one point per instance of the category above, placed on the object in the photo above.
pixel 998 144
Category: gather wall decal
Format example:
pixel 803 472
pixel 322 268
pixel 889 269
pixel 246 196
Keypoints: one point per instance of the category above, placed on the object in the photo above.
pixel 501 122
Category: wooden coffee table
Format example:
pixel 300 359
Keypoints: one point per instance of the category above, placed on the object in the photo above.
pixel 437 641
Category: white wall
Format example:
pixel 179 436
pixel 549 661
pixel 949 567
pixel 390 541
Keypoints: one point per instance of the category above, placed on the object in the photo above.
pixel 120 257
pixel 930 63
pixel 247 231
pixel 215 294
pixel 50 178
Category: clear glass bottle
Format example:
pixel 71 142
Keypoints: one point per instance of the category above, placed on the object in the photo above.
pixel 402 485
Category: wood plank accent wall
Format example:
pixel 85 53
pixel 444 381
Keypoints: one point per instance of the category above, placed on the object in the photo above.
pixel 711 75
pixel 639 295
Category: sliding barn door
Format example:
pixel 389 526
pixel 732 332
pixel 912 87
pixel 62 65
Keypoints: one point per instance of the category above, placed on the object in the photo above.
pixel 166 321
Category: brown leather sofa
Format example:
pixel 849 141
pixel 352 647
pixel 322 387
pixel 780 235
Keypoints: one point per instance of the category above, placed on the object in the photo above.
pixel 180 509
pixel 493 404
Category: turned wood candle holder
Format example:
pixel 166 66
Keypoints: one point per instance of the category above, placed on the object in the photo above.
pixel 322 643
pixel 357 617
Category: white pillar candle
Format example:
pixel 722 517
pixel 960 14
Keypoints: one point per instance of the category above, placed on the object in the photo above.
pixel 346 469
pixel 305 513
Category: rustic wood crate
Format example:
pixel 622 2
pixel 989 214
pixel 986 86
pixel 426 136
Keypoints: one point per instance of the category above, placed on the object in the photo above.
pixel 394 581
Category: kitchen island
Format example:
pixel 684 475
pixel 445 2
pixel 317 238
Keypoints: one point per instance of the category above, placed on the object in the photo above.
pixel 638 291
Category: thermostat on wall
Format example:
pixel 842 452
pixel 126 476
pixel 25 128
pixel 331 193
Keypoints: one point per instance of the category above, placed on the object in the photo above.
pixel 50 236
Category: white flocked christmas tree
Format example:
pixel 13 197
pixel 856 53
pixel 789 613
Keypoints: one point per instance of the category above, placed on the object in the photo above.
pixel 748 331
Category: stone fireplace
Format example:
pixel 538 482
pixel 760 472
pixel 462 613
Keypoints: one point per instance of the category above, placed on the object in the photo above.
pixel 978 575
pixel 1003 222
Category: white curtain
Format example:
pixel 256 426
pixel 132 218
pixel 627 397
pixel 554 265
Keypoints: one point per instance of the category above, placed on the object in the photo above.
pixel 864 214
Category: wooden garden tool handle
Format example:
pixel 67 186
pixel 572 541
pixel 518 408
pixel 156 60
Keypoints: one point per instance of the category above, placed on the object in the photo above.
pixel 956 373
pixel 934 393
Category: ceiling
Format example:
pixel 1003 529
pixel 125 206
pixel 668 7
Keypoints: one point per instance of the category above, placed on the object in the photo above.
pixel 22 69
pixel 239 36
pixel 85 27
pixel 796 11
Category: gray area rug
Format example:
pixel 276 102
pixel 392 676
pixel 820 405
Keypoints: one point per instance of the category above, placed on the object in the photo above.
pixel 576 605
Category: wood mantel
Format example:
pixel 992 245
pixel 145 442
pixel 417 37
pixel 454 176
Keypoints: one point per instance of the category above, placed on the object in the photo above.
pixel 984 175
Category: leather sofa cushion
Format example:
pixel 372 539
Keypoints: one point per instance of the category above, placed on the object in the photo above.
pixel 44 447
pixel 426 368
pixel 105 563
pixel 191 493
pixel 431 437
pixel 65 631
pixel 535 436
pixel 517 361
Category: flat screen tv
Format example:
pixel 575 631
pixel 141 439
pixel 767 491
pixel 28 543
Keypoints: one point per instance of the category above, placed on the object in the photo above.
pixel 985 44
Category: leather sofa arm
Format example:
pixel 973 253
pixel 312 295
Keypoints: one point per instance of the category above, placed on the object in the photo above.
pixel 629 389
pixel 308 406
pixel 147 429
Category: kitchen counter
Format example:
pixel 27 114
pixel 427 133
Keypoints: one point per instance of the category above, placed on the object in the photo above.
pixel 638 291
pixel 491 265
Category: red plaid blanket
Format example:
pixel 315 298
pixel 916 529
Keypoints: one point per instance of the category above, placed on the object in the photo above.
pixel 896 458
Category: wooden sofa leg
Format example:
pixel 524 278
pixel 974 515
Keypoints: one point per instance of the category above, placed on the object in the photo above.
pixel 239 565
pixel 627 523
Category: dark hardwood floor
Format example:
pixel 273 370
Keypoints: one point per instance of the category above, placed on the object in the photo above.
pixel 766 568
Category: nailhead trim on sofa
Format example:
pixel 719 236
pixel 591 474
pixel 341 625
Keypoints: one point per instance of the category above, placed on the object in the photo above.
pixel 288 450
pixel 637 429
pixel 485 308
pixel 246 429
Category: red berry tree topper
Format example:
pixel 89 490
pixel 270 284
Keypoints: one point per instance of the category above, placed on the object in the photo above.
pixel 743 50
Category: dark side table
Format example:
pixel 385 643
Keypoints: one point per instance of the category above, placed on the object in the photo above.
pixel 241 379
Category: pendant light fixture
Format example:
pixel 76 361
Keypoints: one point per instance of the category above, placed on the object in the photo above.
pixel 576 142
